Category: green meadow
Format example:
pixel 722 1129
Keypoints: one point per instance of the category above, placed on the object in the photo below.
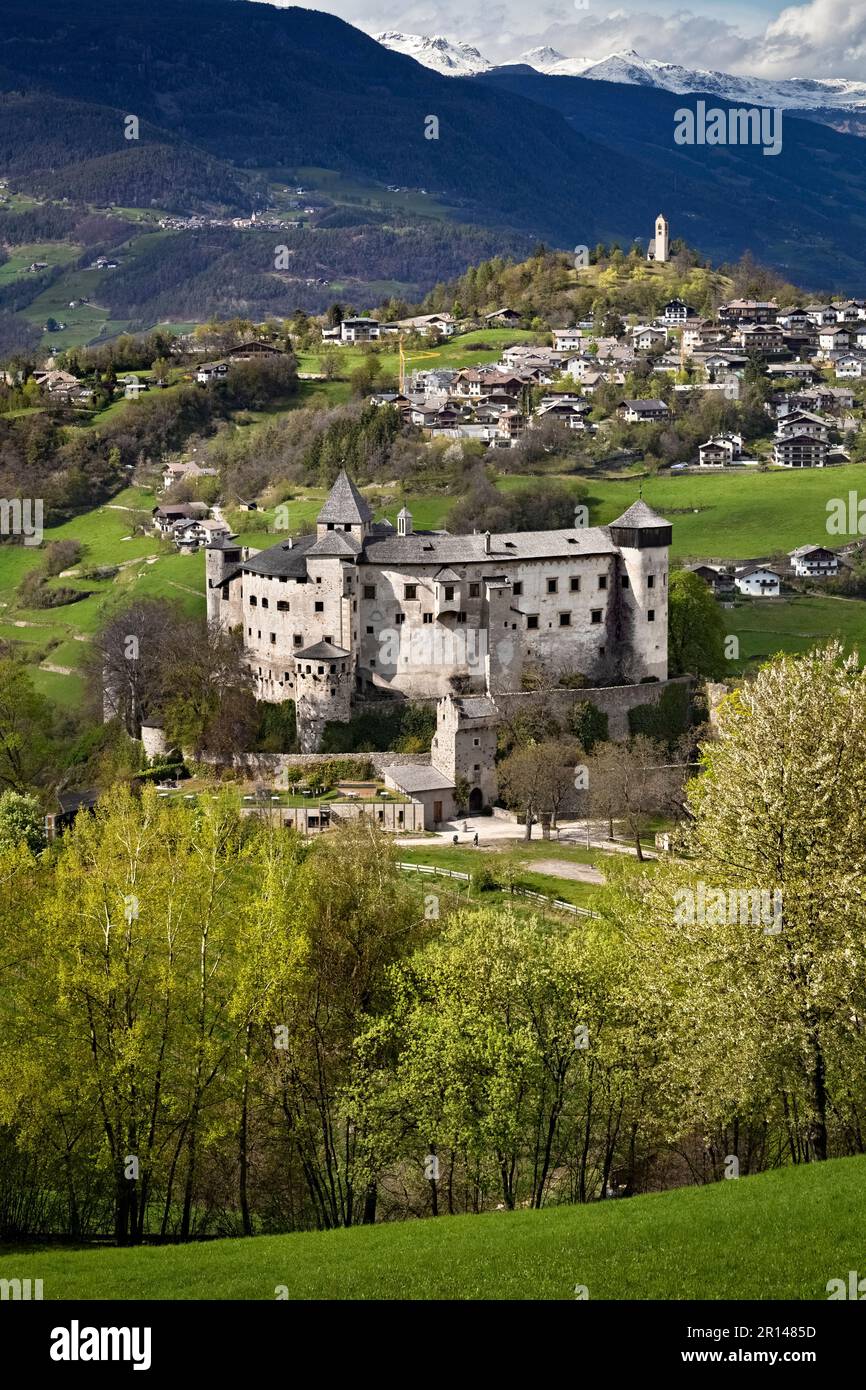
pixel 780 1235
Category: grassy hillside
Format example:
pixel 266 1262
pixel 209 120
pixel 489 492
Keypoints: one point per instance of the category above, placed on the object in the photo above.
pixel 59 637
pixel 781 1235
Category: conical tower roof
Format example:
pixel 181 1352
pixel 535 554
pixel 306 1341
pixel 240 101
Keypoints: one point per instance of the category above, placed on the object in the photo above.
pixel 344 504
pixel 639 515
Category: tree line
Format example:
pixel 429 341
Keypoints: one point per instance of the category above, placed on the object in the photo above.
pixel 211 1026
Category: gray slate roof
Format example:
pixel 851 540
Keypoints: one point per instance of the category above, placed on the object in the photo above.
pixel 479 707
pixel 414 777
pixel 639 514
pixel 440 548
pixel 321 651
pixel 335 543
pixel 345 503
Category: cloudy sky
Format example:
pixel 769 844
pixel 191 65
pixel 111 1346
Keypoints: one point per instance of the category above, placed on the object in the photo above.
pixel 811 38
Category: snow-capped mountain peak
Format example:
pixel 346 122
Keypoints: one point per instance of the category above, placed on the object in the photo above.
pixel 438 53
pixel 630 68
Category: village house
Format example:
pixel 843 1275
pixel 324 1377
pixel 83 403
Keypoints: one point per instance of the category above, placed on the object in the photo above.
pixel 209 372
pixel 759 337
pixel 191 534
pixel 645 338
pixel 757 581
pixel 503 318
pixel 716 578
pixel 571 411
pixel 166 517
pixel 833 339
pixel 741 311
pixel 677 311
pixel 641 412
pixel 799 451
pixel 567 339
pixel 814 562
pixel 720 451
pixel 186 472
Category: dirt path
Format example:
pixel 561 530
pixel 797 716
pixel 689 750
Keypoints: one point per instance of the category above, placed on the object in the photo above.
pixel 564 868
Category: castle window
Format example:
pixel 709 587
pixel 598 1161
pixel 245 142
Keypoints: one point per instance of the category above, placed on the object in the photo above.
pixel 602 581
pixel 372 661
pixel 428 617
pixel 249 632
pixel 330 525
pixel 347 526
pixel 624 581
pixel 333 669
pixel 651 615
pixel 461 617
pixel 410 591
pixel 354 605
pixel 574 583
pixel 449 592
pixel 283 605
pixel 565 620
pixel 476 743
pixel 333 691
pixel 552 586
pixel 369 631
pixel 518 589
pixel 297 640
pixel 601 651
pixel 320 670
pixel 328 638
pixel 399 619
pixel 319 606
pixel 287 677
pixel 596 615
pixel 651 581
pixel 532 620
pixel 259 637
pixel 474 590
pixel 253 601
pixel 264 603
pixel 369 591
pixel 273 637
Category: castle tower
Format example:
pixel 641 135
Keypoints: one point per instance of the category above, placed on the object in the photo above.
pixel 221 556
pixel 345 510
pixel 659 247
pixel 404 522
pixel 464 745
pixel 643 539
pixel 324 679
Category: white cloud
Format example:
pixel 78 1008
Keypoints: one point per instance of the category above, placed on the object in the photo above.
pixel 824 38
pixel 817 38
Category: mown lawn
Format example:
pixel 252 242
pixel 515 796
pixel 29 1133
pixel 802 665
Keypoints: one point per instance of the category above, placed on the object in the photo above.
pixel 767 626
pixel 734 516
pixel 781 1235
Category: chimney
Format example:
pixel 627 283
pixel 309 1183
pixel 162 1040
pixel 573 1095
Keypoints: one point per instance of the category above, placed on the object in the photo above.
pixel 486 542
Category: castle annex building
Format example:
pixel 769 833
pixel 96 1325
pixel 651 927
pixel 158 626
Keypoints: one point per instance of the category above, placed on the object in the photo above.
pixel 361 608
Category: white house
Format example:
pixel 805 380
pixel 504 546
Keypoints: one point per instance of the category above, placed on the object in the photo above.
pixel 814 562
pixel 567 339
pixel 720 451
pixel 756 581
pixel 359 330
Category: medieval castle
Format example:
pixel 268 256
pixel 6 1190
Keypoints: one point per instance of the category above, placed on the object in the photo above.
pixel 360 609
